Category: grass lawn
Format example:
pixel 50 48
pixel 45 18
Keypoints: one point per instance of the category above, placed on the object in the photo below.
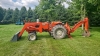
pixel 47 46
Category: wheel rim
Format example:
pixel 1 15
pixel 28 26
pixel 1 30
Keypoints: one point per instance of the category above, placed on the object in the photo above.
pixel 32 37
pixel 59 33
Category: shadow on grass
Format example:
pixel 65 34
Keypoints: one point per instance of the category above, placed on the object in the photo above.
pixel 39 37
pixel 23 38
pixel 81 36
pixel 47 36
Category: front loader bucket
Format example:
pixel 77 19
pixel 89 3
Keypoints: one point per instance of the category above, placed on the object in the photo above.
pixel 15 37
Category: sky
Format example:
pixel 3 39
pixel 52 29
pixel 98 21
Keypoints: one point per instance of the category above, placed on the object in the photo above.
pixel 19 3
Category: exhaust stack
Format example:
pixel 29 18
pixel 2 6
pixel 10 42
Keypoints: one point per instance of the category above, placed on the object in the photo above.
pixel 37 20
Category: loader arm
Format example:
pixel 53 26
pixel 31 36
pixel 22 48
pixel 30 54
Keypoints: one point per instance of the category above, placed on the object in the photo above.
pixel 22 31
pixel 29 27
pixel 18 35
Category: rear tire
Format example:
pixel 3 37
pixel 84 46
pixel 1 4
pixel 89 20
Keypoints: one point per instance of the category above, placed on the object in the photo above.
pixel 59 32
pixel 32 36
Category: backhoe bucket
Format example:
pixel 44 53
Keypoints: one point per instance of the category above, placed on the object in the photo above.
pixel 15 37
pixel 86 33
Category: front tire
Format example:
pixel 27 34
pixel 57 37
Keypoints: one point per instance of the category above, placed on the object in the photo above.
pixel 32 36
pixel 59 32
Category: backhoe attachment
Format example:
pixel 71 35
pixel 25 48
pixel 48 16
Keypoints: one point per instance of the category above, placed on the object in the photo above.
pixel 86 32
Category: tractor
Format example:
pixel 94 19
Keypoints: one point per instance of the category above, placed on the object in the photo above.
pixel 56 29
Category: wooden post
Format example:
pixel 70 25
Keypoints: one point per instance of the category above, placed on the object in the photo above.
pixel 83 12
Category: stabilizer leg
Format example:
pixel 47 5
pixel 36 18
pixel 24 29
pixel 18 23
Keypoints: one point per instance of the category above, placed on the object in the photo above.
pixel 69 35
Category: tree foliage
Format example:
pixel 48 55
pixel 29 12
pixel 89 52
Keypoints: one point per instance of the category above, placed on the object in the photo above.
pixel 30 13
pixel 8 15
pixel 23 13
pixel 50 10
pixel 15 16
pixel 85 8
pixel 1 13
pixel 53 10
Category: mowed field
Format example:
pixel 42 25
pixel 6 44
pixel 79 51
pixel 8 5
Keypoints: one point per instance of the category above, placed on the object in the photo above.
pixel 45 45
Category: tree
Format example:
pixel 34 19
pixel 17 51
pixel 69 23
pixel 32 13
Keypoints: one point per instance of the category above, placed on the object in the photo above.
pixel 30 13
pixel 1 13
pixel 23 13
pixel 84 8
pixel 94 12
pixel 50 10
pixel 8 15
pixel 15 16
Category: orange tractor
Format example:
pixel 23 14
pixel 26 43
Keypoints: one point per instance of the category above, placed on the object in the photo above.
pixel 56 29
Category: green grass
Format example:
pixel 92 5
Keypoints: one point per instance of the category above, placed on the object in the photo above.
pixel 47 46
